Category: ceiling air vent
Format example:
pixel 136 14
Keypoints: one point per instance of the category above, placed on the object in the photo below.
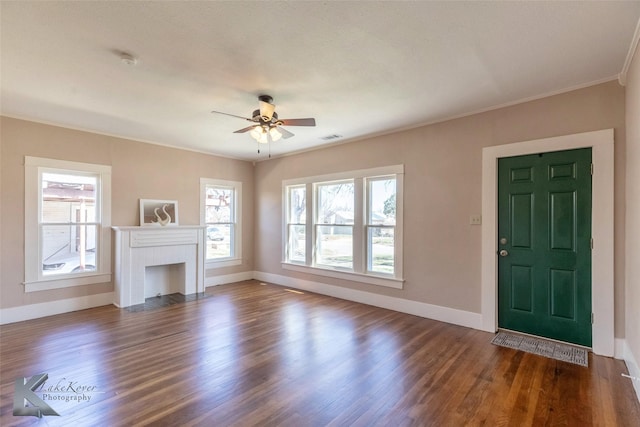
pixel 330 137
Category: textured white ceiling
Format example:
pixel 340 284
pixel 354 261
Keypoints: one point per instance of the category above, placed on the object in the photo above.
pixel 359 68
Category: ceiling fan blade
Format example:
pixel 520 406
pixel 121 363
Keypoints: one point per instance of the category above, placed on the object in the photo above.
pixel 247 129
pixel 266 110
pixel 285 133
pixel 232 115
pixel 297 122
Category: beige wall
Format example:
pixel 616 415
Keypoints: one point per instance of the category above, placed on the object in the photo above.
pixel 139 170
pixel 442 189
pixel 443 172
pixel 633 209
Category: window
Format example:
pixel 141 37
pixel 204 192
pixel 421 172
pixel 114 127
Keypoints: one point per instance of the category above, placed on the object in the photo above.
pixel 381 224
pixel 334 224
pixel 67 224
pixel 220 203
pixel 350 227
pixel 296 220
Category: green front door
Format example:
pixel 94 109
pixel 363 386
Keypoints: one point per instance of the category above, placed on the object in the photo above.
pixel 544 245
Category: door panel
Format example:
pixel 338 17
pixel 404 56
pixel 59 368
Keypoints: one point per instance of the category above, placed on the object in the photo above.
pixel 521 288
pixel 521 220
pixel 544 216
pixel 563 291
pixel 562 220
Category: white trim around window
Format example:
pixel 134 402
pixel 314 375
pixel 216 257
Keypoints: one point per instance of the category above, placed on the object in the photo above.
pixel 235 222
pixel 34 278
pixel 304 258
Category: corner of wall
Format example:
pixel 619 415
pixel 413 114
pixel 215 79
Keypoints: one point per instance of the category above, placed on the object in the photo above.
pixel 622 77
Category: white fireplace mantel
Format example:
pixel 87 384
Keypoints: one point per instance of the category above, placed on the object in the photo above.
pixel 137 248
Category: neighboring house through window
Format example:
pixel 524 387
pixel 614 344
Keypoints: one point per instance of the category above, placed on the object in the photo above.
pixel 67 223
pixel 221 211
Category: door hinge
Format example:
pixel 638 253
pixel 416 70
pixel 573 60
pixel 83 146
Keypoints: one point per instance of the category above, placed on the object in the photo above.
pixel 592 243
pixel 591 168
pixel 592 318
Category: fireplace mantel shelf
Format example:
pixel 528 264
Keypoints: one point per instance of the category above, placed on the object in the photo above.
pixel 156 227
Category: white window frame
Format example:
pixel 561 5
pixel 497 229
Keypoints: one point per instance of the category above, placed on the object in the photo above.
pixel 236 244
pixel 317 224
pixel 289 224
pixel 34 279
pixel 368 224
pixel 359 271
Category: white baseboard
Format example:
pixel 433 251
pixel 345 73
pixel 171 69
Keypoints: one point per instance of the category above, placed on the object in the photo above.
pixel 228 278
pixel 634 369
pixel 34 311
pixel 429 311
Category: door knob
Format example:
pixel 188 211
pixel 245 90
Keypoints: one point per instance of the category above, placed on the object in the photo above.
pixel 503 253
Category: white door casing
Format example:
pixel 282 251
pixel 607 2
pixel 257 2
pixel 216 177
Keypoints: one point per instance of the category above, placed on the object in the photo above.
pixel 601 142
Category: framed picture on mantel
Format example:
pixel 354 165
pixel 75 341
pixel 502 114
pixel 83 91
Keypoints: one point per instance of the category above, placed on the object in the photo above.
pixel 158 213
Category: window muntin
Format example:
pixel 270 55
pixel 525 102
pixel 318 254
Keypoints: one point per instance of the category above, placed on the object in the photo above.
pixel 353 226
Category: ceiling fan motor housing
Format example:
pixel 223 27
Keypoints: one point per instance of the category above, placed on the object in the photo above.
pixel 256 117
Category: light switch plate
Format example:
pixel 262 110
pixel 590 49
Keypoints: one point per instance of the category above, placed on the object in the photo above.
pixel 475 219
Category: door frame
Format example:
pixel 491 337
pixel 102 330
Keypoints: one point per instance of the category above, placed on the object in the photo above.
pixel 602 264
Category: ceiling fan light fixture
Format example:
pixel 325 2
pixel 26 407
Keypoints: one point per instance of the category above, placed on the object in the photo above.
pixel 275 133
pixel 256 133
pixel 260 134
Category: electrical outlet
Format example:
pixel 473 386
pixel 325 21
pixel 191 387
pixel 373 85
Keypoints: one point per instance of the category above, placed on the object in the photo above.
pixel 475 219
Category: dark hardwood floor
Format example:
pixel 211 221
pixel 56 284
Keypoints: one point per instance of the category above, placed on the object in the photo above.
pixel 255 354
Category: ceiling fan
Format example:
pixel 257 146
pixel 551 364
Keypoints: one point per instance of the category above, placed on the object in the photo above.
pixel 267 126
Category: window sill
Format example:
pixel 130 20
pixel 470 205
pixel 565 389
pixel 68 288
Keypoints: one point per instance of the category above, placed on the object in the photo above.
pixel 66 282
pixel 227 262
pixel 389 282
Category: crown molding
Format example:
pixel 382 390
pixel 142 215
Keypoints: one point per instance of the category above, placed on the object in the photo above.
pixel 622 77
